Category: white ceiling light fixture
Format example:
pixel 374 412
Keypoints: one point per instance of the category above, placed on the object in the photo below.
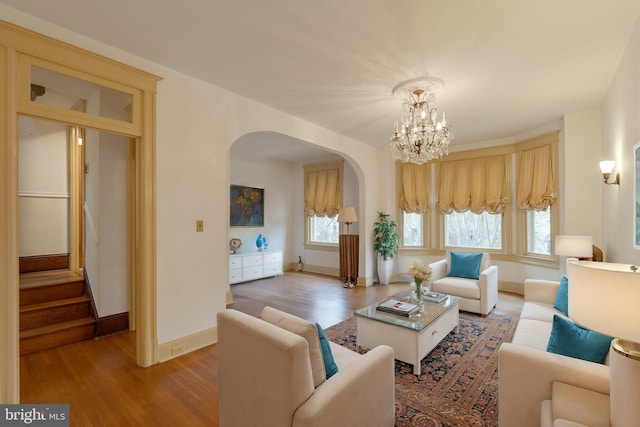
pixel 419 136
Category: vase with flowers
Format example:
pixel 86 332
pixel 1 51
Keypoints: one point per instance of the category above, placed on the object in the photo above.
pixel 420 273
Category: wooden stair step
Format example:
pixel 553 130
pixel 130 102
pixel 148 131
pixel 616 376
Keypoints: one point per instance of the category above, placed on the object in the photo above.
pixel 46 278
pixel 56 335
pixel 45 313
pixel 50 286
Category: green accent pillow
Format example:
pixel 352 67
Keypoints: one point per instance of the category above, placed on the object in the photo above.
pixel 562 297
pixel 465 265
pixel 329 363
pixel 571 340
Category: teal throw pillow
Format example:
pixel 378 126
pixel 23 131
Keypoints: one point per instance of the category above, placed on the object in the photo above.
pixel 329 363
pixel 562 297
pixel 465 265
pixel 571 340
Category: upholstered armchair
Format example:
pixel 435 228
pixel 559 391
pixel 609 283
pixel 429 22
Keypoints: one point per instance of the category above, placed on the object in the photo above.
pixel 269 375
pixel 471 277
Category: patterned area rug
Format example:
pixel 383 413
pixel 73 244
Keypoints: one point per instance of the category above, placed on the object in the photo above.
pixel 459 381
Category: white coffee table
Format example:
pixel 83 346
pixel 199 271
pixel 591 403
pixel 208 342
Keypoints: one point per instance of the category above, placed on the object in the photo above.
pixel 413 337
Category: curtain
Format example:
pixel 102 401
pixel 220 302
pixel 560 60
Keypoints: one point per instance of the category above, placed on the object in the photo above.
pixel 414 191
pixel 322 192
pixel 535 179
pixel 478 185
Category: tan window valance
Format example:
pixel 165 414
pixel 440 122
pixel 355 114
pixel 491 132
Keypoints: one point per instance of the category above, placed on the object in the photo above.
pixel 535 179
pixel 322 184
pixel 414 191
pixel 478 185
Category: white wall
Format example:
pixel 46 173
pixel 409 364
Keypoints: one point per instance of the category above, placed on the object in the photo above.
pixel 582 178
pixel 277 180
pixel 621 131
pixel 193 183
pixel 107 213
pixel 43 188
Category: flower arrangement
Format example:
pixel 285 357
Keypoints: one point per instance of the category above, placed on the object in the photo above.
pixel 419 272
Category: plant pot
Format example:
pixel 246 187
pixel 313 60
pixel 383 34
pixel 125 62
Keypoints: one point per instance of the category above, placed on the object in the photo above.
pixel 385 268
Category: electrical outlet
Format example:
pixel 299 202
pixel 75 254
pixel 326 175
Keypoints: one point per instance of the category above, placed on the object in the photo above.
pixel 199 225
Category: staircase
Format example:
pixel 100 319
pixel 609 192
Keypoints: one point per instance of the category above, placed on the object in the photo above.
pixel 54 310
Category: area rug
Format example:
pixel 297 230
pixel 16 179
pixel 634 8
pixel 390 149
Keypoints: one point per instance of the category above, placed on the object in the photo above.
pixel 458 385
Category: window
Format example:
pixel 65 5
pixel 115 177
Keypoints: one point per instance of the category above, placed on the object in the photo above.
pixel 322 195
pixel 538 225
pixel 412 229
pixel 323 230
pixel 501 199
pixel 470 230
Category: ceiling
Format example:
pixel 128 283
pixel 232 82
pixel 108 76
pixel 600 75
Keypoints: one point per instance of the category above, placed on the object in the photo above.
pixel 508 66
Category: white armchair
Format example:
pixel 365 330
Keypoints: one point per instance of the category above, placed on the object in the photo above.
pixel 267 376
pixel 478 296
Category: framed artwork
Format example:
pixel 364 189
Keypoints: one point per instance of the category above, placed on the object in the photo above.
pixel 636 197
pixel 247 206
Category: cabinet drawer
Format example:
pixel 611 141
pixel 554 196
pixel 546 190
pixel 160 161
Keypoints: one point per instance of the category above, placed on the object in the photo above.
pixel 273 257
pixel 251 260
pixel 235 262
pixel 235 276
pixel 272 269
pixel 252 273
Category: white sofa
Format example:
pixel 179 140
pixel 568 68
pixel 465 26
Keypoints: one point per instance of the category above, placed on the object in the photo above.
pixel 529 375
pixel 271 376
pixel 478 296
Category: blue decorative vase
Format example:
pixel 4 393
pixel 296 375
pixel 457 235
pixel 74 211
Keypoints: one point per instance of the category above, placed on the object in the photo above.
pixel 259 241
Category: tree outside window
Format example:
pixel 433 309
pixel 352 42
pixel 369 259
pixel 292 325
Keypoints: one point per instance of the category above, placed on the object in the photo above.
pixel 412 229
pixel 323 229
pixel 470 230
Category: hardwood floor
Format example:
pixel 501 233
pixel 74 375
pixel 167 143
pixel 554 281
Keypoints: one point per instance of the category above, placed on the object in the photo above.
pixel 103 386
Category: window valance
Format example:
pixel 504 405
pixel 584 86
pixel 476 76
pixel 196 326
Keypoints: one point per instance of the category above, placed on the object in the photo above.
pixel 535 179
pixel 477 184
pixel 414 191
pixel 322 189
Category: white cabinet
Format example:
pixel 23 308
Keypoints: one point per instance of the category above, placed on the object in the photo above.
pixel 254 265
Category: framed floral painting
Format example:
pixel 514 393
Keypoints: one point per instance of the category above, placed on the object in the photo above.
pixel 246 206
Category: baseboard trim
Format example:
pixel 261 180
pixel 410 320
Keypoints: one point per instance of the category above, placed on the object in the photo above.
pixel 513 287
pixel 327 271
pixel 111 324
pixel 178 347
pixel 31 264
pixel 229 299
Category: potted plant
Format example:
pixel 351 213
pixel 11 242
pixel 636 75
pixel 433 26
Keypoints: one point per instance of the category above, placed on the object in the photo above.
pixel 385 243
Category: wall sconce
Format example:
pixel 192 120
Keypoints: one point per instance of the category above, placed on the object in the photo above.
pixel 606 167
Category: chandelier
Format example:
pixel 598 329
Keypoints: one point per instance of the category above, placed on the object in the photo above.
pixel 419 136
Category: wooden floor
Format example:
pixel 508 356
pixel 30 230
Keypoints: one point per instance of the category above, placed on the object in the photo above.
pixel 104 387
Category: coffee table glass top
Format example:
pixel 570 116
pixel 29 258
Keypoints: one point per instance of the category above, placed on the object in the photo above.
pixel 429 312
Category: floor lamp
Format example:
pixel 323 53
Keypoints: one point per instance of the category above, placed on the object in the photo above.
pixel 604 297
pixel 348 216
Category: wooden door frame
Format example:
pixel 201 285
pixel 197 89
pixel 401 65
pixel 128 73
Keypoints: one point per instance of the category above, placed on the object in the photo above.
pixel 18 47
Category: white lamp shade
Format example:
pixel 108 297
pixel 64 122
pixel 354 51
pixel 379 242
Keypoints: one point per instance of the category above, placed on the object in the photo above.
pixel 604 297
pixel 606 166
pixel 347 214
pixel 574 246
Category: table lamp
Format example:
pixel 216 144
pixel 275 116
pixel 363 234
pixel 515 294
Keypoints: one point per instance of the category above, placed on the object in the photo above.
pixel 348 216
pixel 604 297
pixel 574 246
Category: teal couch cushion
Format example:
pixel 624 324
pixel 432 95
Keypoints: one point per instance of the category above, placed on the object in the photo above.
pixel 571 340
pixel 329 363
pixel 465 265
